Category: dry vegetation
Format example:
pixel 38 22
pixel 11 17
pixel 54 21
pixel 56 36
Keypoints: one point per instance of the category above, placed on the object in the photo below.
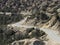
pixel 40 13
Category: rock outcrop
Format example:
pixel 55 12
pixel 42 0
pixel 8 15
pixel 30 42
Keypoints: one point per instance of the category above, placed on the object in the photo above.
pixel 39 13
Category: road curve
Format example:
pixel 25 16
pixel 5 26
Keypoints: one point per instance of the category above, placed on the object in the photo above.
pixel 50 33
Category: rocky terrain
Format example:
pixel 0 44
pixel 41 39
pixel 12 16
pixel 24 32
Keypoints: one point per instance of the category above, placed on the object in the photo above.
pixel 13 36
pixel 18 19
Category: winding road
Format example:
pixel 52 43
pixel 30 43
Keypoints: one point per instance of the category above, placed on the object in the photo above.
pixel 50 32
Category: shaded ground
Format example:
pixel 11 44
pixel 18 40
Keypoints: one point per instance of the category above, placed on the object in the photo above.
pixel 30 13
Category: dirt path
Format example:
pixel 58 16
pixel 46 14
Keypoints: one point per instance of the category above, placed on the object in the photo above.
pixel 50 33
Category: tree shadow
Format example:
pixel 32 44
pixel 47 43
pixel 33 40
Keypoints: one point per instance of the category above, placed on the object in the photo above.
pixel 38 43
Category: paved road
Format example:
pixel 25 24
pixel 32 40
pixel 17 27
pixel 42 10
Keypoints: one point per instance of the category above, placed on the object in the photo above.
pixel 50 33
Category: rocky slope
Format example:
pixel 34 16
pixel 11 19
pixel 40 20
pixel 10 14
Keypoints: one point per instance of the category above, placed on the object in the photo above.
pixel 46 16
pixel 13 36
pixel 39 13
pixel 42 13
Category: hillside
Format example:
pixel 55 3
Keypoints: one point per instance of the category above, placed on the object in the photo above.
pixel 21 22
